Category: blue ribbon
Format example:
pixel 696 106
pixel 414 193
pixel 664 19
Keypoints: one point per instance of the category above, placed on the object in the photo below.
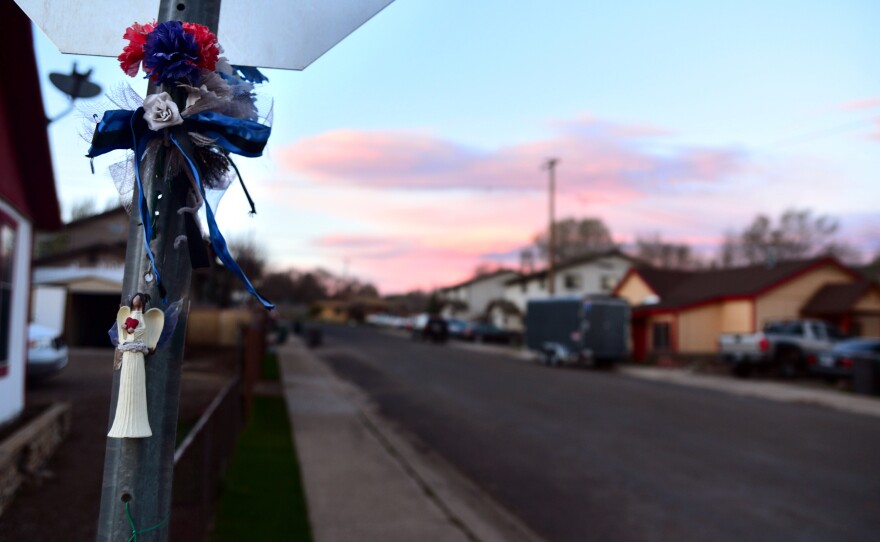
pixel 122 129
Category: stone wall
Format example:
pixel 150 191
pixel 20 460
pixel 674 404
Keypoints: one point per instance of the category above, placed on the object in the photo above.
pixel 24 453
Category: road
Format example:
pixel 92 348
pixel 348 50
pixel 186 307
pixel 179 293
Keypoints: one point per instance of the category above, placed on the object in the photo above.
pixel 584 455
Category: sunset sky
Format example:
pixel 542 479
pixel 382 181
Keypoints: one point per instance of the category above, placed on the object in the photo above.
pixel 411 152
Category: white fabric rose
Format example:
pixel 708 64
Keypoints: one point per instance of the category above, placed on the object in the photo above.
pixel 160 111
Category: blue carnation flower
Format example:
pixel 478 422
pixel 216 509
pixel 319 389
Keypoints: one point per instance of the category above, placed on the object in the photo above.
pixel 171 54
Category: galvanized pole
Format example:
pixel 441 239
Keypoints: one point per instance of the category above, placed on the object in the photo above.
pixel 139 471
pixel 550 164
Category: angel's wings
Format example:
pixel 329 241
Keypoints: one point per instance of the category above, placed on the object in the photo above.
pixel 159 329
pixel 154 321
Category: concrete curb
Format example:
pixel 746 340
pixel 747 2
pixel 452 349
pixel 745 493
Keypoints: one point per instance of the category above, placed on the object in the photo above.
pixel 422 496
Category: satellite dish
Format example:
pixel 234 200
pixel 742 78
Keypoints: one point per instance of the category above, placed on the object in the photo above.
pixel 75 85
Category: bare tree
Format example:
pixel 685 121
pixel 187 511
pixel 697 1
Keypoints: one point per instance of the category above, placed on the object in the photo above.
pixel 527 260
pixel 575 238
pixel 83 208
pixel 485 268
pixel 250 255
pixel 659 253
pixel 797 234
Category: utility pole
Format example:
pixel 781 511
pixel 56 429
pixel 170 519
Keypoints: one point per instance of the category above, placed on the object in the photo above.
pixel 138 472
pixel 550 165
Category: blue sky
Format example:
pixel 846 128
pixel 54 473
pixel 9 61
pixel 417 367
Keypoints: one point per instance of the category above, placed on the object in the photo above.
pixel 412 149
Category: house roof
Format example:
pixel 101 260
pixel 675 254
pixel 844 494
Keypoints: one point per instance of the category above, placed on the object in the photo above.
pixel 112 249
pixel 833 299
pixel 26 178
pixel 61 276
pixel 479 278
pixel 678 289
pixel 573 262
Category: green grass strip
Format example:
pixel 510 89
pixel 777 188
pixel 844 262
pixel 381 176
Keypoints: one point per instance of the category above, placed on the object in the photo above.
pixel 262 496
pixel 269 370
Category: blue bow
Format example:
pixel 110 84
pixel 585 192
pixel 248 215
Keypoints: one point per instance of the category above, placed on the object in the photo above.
pixel 122 129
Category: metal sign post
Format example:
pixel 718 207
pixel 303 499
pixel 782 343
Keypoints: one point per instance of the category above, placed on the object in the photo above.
pixel 136 491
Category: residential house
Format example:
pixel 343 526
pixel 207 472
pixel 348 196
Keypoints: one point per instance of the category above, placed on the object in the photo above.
pixel 685 312
pixel 78 273
pixel 587 275
pixel 27 198
pixel 354 309
pixel 96 241
pixel 469 300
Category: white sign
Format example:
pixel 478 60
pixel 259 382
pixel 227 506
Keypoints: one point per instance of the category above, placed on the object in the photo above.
pixel 287 34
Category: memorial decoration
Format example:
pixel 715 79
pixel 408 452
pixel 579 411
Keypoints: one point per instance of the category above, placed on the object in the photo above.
pixel 181 139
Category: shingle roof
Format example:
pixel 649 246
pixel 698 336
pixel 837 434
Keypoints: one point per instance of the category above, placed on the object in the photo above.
pixel 479 278
pixel 571 263
pixel 683 288
pixel 834 299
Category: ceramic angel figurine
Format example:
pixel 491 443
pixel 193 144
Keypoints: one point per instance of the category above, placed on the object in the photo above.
pixel 139 334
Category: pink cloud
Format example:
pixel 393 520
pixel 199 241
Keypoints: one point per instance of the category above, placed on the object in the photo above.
pixel 401 263
pixel 592 151
pixel 865 103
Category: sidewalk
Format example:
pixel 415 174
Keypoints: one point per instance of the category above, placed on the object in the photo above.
pixel 364 481
pixel 774 391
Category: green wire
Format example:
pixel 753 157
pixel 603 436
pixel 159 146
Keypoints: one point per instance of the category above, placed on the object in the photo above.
pixel 135 532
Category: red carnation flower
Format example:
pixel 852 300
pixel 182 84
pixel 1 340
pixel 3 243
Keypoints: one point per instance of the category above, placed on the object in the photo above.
pixel 207 41
pixel 133 53
pixel 131 323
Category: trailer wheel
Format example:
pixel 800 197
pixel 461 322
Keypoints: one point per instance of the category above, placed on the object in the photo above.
pixel 548 358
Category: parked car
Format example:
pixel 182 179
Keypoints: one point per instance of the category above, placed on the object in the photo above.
pixel 47 353
pixel 783 345
pixel 430 328
pixel 456 327
pixel 575 329
pixel 484 332
pixel 840 361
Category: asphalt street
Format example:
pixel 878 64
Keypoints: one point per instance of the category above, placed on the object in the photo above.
pixel 585 455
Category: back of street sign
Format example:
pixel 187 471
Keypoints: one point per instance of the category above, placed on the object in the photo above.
pixel 287 34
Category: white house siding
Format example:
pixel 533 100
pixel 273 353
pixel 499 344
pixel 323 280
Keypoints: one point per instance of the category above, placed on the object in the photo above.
pixel 507 322
pixel 12 384
pixel 598 276
pixel 479 293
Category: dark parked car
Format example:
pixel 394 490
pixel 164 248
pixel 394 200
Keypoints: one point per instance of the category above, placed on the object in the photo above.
pixel 457 327
pixel 483 332
pixel 840 360
pixel 430 328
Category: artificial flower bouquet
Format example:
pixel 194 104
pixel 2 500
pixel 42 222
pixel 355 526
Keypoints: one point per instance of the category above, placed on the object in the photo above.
pixel 205 112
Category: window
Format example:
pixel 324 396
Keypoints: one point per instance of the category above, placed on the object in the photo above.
pixel 661 336
pixel 795 329
pixel 609 282
pixel 573 281
pixel 7 265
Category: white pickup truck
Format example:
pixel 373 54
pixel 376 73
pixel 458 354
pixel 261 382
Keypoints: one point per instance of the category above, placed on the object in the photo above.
pixel 783 345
